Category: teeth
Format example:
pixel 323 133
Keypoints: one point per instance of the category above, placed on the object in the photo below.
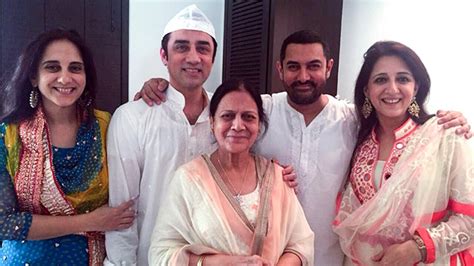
pixel 391 100
pixel 192 70
pixel 64 90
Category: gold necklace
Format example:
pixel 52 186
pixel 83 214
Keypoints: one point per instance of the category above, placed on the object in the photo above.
pixel 237 196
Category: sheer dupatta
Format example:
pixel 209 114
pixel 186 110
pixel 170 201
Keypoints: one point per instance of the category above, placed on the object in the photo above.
pixel 198 216
pixel 432 184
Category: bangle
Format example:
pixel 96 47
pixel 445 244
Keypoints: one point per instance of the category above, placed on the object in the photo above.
pixel 200 261
pixel 421 247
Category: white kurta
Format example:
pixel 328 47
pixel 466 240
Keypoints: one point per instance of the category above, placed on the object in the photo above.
pixel 320 154
pixel 145 145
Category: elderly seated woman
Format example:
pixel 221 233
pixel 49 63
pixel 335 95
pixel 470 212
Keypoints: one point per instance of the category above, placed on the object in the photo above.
pixel 231 206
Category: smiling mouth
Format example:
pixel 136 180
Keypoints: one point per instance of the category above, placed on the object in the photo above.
pixel 192 70
pixel 237 137
pixel 64 90
pixel 392 101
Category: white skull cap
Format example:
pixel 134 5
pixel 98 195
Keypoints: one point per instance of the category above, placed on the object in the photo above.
pixel 190 18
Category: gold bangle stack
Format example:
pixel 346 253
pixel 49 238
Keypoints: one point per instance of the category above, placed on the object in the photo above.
pixel 421 247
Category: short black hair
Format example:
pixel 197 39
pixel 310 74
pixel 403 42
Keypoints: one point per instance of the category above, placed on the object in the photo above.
pixel 304 37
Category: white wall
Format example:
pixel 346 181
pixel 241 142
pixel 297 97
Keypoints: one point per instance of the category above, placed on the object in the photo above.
pixel 147 21
pixel 440 32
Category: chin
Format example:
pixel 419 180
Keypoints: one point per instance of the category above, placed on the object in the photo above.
pixel 237 150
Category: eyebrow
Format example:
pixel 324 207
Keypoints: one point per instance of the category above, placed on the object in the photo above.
pixel 188 42
pixel 57 62
pixel 290 62
pixel 203 43
pixel 398 73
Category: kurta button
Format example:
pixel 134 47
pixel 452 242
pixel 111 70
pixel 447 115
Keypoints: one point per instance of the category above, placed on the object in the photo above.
pixel 388 175
pixel 399 146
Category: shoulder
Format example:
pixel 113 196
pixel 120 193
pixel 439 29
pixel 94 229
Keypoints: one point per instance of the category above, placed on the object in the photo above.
pixel 132 108
pixel 279 97
pixel 273 101
pixel 341 110
pixel 102 117
pixel 8 132
pixel 340 105
pixel 131 113
pixel 265 164
pixel 189 175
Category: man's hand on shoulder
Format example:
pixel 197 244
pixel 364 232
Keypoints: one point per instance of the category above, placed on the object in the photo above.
pixel 455 119
pixel 153 91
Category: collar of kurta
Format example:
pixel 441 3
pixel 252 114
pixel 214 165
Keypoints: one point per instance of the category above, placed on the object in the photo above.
pixel 401 132
pixel 177 97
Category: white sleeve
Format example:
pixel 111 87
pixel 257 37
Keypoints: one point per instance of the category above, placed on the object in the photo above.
pixel 124 163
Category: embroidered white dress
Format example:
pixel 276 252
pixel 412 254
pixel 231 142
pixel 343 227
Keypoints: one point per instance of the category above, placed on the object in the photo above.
pixel 427 187
pixel 320 153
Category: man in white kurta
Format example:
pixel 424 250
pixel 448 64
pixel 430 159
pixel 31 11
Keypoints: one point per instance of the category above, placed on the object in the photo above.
pixel 145 145
pixel 320 153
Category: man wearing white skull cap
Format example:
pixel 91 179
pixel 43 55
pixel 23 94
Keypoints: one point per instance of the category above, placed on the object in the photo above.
pixel 146 144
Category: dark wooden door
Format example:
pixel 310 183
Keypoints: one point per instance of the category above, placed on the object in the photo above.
pixel 102 23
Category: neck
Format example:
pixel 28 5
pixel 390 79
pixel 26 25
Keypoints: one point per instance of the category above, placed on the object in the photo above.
pixel 310 111
pixel 194 102
pixel 387 126
pixel 233 160
pixel 58 115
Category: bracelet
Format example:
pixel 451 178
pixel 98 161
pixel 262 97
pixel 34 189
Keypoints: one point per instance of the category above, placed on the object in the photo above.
pixel 421 247
pixel 200 261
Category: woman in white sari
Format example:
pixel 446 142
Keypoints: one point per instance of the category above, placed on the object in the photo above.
pixel 410 193
pixel 231 207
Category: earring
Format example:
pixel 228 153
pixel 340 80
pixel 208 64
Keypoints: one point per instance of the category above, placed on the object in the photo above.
pixel 85 100
pixel 34 98
pixel 414 108
pixel 366 108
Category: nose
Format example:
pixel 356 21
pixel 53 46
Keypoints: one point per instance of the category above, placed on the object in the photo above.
pixel 303 75
pixel 237 124
pixel 392 86
pixel 64 77
pixel 192 56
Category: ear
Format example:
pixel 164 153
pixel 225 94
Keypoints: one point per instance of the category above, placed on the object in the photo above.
pixel 163 56
pixel 329 66
pixel 211 121
pixel 279 67
pixel 34 82
pixel 366 93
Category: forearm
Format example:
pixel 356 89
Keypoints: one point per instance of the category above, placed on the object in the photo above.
pixel 193 259
pixel 289 258
pixel 448 237
pixel 48 226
